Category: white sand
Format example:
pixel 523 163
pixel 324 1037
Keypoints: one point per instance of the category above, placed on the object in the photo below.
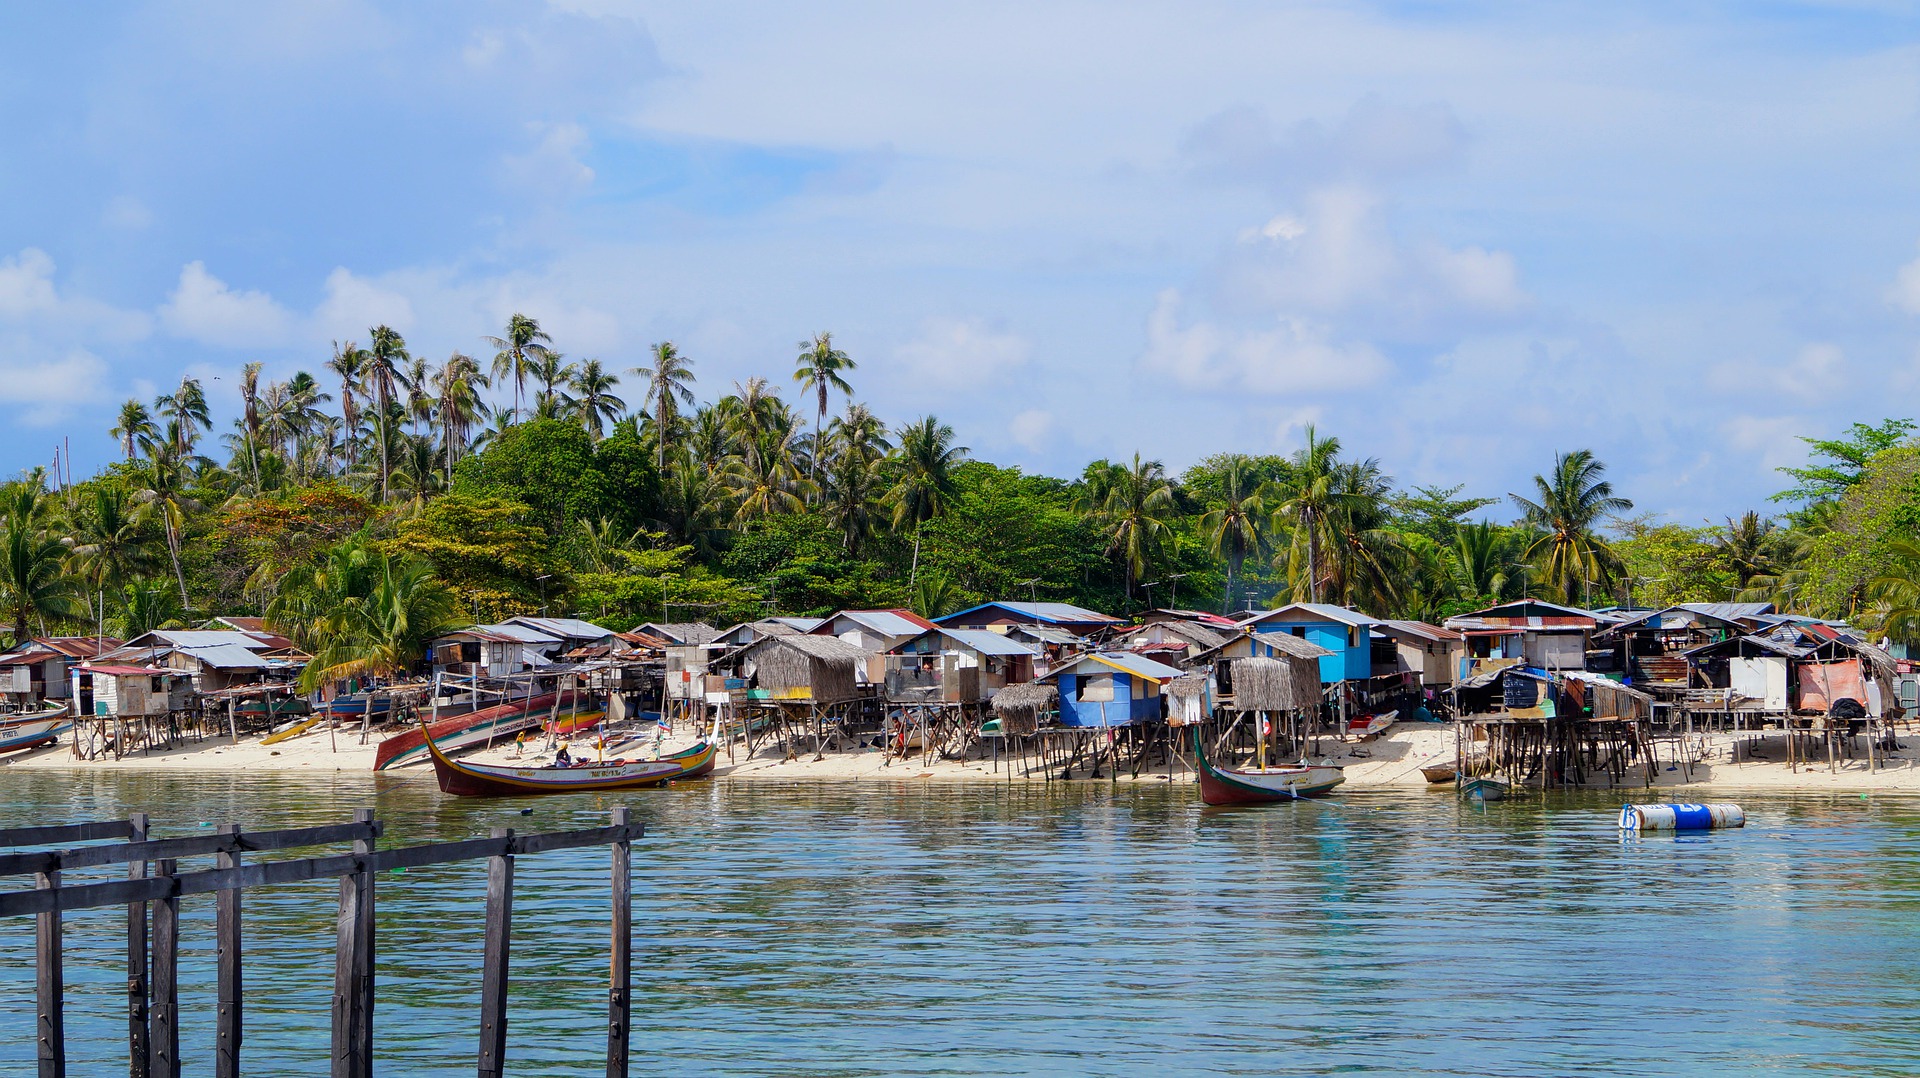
pixel 1392 760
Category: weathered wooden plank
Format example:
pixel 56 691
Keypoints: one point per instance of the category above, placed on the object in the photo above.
pixel 21 864
pixel 363 880
pixel 137 962
pixel 346 949
pixel 54 834
pixel 50 987
pixel 227 1019
pixel 620 976
pixel 164 1017
pixel 571 840
pixel 493 970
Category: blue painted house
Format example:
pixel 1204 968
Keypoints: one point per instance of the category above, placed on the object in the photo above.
pixel 1111 688
pixel 1345 633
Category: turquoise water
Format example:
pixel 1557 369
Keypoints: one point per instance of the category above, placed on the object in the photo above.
pixel 1085 929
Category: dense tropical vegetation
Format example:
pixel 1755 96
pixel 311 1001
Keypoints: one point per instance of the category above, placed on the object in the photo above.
pixel 370 506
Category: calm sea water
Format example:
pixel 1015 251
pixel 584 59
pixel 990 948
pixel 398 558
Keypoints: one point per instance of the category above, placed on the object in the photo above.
pixel 1085 929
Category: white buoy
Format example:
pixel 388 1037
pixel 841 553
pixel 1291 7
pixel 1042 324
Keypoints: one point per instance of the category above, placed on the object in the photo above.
pixel 1681 817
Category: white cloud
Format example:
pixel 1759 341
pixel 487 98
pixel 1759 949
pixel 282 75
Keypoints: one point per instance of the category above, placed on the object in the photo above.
pixel 952 352
pixel 50 388
pixel 1294 355
pixel 29 297
pixel 1905 293
pixel 552 165
pixel 1373 140
pixel 26 283
pixel 353 304
pixel 126 212
pixel 202 308
pixel 1816 370
pixel 1031 429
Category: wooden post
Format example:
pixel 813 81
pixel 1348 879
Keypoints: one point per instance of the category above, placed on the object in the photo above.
pixel 164 1038
pixel 620 979
pixel 49 985
pixel 226 1051
pixel 137 962
pixel 493 975
pixel 352 968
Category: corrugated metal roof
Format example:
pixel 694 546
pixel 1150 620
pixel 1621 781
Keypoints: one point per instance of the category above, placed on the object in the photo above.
pixel 1730 611
pixel 1051 613
pixel 1423 630
pixel 987 643
pixel 1051 635
pixel 681 633
pixel 226 657
pixel 893 622
pixel 565 628
pixel 204 638
pixel 1325 611
pixel 119 670
pixel 1133 664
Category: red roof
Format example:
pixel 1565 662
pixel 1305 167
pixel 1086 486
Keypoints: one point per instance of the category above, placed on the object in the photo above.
pixel 124 671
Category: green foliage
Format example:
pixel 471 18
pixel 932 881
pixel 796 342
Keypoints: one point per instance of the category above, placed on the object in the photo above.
pixel 660 585
pixel 555 469
pixel 1669 564
pixel 1846 459
pixel 489 551
pixel 1435 512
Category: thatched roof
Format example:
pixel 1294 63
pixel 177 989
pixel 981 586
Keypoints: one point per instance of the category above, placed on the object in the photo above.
pixel 1019 706
pixel 826 667
pixel 1276 684
pixel 1187 685
pixel 1289 644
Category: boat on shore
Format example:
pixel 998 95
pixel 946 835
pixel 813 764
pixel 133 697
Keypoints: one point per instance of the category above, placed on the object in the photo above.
pixel 462 779
pixel 1262 785
pixel 1369 725
pixel 486 725
pixel 1439 773
pixel 29 733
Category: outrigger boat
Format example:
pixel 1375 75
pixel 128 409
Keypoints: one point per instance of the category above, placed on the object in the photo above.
pixel 1261 785
pixel 463 779
pixel 485 725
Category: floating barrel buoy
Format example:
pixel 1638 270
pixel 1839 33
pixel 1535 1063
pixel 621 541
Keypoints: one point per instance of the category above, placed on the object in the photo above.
pixel 1681 817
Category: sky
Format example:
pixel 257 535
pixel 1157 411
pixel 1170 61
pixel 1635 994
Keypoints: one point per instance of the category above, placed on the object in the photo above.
pixel 1459 237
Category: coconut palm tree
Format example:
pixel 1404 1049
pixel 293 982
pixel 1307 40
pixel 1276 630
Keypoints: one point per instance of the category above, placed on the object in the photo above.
pixel 34 583
pixel 710 437
pixel 523 343
pixel 592 400
pixel 134 429
pixel 766 482
pixel 186 407
pixel 417 380
pixel 1894 591
pixel 1751 546
pixel 924 483
pixel 1487 562
pixel 1308 503
pixel 387 629
pixel 1567 508
pixel 146 605
pixel 109 545
pixel 858 433
pixel 1235 529
pixel 386 359
pixel 349 364
pixel 461 407
pixel 694 504
pixel 164 497
pixel 1366 563
pixel 820 368
pixel 1135 514
pixel 851 498
pixel 669 378
pixel 250 417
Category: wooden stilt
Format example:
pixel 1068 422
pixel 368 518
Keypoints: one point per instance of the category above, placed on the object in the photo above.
pixel 620 977
pixel 493 973
pixel 49 986
pixel 137 962
pixel 227 1020
pixel 164 1021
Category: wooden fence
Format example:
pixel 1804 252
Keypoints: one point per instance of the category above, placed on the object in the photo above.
pixel 155 884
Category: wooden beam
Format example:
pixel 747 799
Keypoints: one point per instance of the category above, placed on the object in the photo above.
pixel 493 970
pixel 49 987
pixel 620 975
pixel 137 962
pixel 227 1018
pixel 21 864
pixel 69 832
pixel 363 971
pixel 164 1021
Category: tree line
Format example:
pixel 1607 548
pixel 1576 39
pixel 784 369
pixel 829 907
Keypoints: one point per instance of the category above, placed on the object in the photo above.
pixel 380 501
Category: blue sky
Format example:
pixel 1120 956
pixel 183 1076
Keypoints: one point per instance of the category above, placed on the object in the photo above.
pixel 1458 236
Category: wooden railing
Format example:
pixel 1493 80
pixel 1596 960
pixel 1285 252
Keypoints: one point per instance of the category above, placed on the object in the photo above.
pixel 154 880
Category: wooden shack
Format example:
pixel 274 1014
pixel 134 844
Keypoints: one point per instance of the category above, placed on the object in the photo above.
pixel 1111 688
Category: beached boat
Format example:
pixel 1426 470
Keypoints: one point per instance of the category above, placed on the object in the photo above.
pixel 1439 773
pixel 1483 789
pixel 278 707
pixel 1261 785
pixel 1368 725
pixel 23 718
pixel 356 704
pixel 463 779
pixel 486 725
pixel 293 730
pixel 25 735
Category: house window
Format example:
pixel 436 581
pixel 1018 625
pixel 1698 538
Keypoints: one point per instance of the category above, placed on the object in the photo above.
pixel 1094 689
pixel 1353 636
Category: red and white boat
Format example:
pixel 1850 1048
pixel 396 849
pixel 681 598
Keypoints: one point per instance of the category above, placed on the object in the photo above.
pixel 1262 785
pixel 1368 725
pixel 488 725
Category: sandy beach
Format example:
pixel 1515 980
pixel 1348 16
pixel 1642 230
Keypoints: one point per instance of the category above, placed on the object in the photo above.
pixel 1393 759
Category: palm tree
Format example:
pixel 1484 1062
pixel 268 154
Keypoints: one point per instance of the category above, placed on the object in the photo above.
pixel 552 371
pixel 524 342
pixel 1570 505
pixel 924 483
pixel 710 436
pixel 1750 545
pixel 146 605
pixel 757 418
pixel 858 433
pixel 109 546
pixel 250 416
pixel 461 407
pixel 1135 512
pixel 934 595
pixel 820 368
pixel 669 378
pixel 34 584
pixel 1895 590
pixel 592 400
pixel 386 630
pixel 1365 565
pixel 1235 529
pixel 1308 504
pixel 384 366
pixel 693 503
pixel 165 497
pixel 135 428
pixel 1484 557
pixel 766 483
pixel 349 363
pixel 852 497
pixel 417 380
pixel 186 406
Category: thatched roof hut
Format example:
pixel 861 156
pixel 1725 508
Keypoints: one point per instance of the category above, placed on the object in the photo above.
pixel 1187 699
pixel 818 669
pixel 1276 684
pixel 1018 707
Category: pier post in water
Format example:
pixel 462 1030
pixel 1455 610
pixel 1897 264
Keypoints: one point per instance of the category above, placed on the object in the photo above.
pixel 620 977
pixel 137 960
pixel 164 1019
pixel 226 1052
pixel 49 984
pixel 353 967
pixel 493 972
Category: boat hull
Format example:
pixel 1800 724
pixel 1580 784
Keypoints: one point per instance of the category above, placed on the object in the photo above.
pixel 482 726
pixel 486 780
pixel 1262 786
pixel 26 735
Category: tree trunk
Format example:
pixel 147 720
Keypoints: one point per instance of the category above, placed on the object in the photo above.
pixel 913 575
pixel 173 549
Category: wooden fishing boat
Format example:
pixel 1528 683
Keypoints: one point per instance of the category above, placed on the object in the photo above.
pixel 357 704
pixel 293 730
pixel 278 707
pixel 1262 785
pixel 463 779
pixel 1369 725
pixel 1483 789
pixel 25 718
pixel 1439 773
pixel 26 735
pixel 486 725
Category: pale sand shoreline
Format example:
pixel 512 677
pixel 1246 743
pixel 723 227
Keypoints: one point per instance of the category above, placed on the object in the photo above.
pixel 1390 761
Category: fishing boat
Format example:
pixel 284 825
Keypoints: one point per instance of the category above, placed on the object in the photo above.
pixel 1368 725
pixel 1484 789
pixel 1438 773
pixel 26 735
pixel 23 718
pixel 1262 785
pixel 358 704
pixel 278 707
pixel 486 725
pixel 463 779
pixel 293 730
